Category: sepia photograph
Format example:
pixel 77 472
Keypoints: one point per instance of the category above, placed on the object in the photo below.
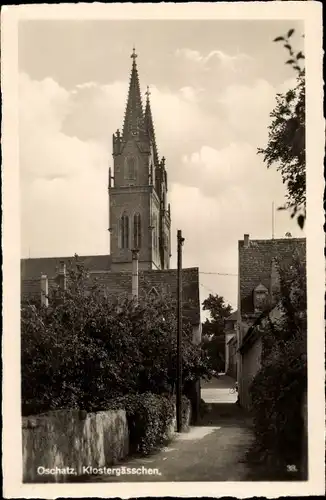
pixel 163 316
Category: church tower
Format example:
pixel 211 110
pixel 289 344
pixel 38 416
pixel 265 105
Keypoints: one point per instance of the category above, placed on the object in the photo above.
pixel 140 217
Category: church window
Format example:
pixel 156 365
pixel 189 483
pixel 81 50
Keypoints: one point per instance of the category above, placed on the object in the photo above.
pixel 124 231
pixel 137 231
pixel 131 168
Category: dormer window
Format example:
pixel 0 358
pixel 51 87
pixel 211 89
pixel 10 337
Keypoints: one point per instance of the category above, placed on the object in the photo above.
pixel 260 297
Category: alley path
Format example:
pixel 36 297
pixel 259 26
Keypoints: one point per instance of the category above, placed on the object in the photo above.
pixel 219 390
pixel 212 451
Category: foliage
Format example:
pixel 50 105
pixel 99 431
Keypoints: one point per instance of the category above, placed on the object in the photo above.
pixel 150 418
pixel 286 138
pixel 213 330
pixel 277 390
pixel 84 350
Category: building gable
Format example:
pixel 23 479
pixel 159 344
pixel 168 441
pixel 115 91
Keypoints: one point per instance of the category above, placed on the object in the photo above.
pixel 256 267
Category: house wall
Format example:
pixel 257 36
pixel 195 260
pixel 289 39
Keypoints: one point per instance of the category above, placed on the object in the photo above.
pixel 197 333
pixel 232 366
pixel 228 337
pixel 250 364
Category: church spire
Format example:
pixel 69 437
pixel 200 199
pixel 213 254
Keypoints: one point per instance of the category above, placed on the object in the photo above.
pixel 149 125
pixel 134 111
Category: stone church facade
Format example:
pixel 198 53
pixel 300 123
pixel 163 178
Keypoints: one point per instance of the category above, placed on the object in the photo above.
pixel 139 219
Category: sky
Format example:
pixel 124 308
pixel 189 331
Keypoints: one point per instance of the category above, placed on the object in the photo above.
pixel 213 85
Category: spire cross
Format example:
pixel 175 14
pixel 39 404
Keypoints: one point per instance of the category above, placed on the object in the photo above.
pixel 133 55
pixel 147 93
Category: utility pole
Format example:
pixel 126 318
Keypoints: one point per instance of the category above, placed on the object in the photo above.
pixel 273 221
pixel 179 336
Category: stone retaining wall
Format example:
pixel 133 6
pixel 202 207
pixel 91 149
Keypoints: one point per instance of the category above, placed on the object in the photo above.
pixel 72 439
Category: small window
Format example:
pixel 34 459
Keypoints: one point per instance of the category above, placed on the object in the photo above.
pixel 260 297
pixel 131 168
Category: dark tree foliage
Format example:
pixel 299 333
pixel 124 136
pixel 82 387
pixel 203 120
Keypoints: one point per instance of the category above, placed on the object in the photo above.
pixel 286 140
pixel 83 350
pixel 213 330
pixel 277 391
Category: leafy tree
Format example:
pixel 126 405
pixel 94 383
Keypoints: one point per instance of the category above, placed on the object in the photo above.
pixel 286 139
pixel 213 330
pixel 83 350
pixel 277 390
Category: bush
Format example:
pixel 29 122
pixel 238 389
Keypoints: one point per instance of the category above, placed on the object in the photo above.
pixel 278 389
pixel 83 350
pixel 150 419
pixel 277 395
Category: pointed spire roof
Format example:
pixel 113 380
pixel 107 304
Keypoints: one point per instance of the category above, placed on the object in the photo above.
pixel 134 111
pixel 149 125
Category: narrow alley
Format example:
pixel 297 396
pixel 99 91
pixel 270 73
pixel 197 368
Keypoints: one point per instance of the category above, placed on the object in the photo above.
pixel 214 450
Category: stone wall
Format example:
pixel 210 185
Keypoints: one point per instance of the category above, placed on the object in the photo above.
pixel 74 439
pixel 62 443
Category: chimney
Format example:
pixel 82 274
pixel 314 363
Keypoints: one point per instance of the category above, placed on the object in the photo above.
pixel 246 240
pixel 44 290
pixel 62 275
pixel 134 274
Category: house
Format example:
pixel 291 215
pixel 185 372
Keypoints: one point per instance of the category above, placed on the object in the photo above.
pixel 257 293
pixel 231 344
pixel 139 219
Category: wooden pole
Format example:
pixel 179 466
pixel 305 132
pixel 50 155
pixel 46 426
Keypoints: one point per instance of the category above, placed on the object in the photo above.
pixel 179 336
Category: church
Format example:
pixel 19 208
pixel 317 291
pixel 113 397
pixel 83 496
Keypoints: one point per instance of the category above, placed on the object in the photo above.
pixel 139 219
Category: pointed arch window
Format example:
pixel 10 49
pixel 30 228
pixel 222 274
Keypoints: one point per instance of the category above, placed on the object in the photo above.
pixel 137 231
pixel 131 168
pixel 124 231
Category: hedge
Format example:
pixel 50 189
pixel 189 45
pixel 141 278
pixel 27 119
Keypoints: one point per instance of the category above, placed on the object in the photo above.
pixel 150 417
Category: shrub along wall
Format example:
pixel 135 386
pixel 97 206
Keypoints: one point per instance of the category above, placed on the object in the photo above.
pixel 151 419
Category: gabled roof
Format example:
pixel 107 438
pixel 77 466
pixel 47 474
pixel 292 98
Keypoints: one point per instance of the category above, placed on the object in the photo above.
pixel 255 264
pixel 117 285
pixel 33 268
pixel 233 316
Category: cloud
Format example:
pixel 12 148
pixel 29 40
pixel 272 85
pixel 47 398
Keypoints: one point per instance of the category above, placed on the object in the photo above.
pixel 191 94
pixel 227 61
pixel 63 179
pixel 219 188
